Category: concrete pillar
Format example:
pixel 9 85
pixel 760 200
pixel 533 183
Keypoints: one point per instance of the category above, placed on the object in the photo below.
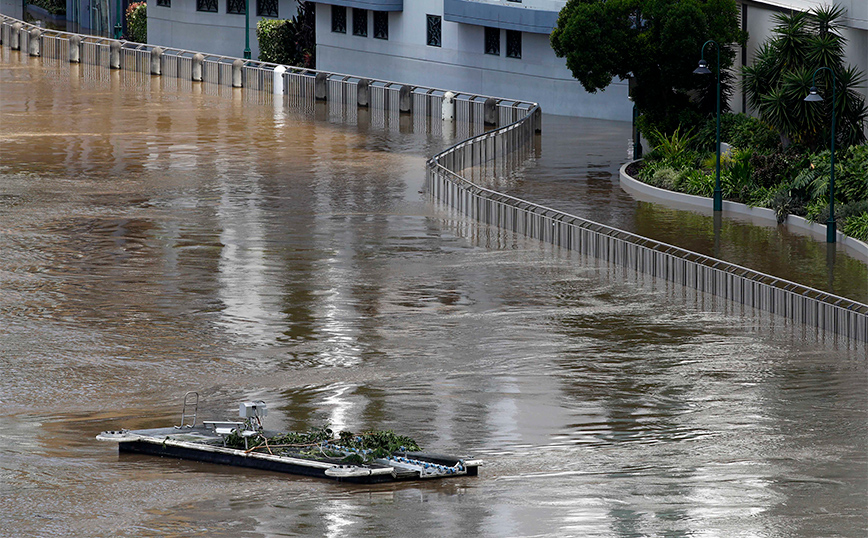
pixel 277 84
pixel 490 114
pixel 405 99
pixel 321 87
pixel 537 121
pixel 35 42
pixel 75 49
pixel 157 61
pixel 237 66
pixel 363 93
pixel 15 41
pixel 115 54
pixel 198 63
pixel 448 107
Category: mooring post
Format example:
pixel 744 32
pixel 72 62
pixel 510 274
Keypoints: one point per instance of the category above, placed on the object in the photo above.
pixel 198 63
pixel 490 112
pixel 75 49
pixel 321 87
pixel 405 99
pixel 115 54
pixel 15 41
pixel 157 61
pixel 35 41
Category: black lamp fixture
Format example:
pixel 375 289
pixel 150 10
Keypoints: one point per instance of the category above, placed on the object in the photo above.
pixel 814 97
pixel 704 70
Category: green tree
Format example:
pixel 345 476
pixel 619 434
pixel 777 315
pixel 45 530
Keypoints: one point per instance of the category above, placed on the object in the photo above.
pixel 781 75
pixel 656 41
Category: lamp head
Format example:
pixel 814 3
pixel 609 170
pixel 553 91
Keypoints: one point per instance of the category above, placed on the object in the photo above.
pixel 813 95
pixel 703 68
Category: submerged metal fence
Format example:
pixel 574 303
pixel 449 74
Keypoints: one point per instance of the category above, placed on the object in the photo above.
pixel 301 87
pixel 446 182
pixel 502 150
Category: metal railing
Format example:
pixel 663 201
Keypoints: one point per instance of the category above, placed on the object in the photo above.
pixel 510 145
pixel 502 150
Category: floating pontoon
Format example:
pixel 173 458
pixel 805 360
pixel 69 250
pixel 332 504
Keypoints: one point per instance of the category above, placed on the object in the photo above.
pixel 218 441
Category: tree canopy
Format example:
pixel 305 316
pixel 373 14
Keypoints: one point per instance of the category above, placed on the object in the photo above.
pixel 658 42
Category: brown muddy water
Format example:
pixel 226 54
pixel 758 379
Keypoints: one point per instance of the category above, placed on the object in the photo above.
pixel 154 241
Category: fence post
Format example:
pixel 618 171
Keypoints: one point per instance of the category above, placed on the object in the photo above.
pixel 35 42
pixel 405 98
pixel 198 61
pixel 156 64
pixel 448 107
pixel 363 93
pixel 115 54
pixel 321 87
pixel 75 49
pixel 236 73
pixel 277 85
pixel 15 42
pixel 490 112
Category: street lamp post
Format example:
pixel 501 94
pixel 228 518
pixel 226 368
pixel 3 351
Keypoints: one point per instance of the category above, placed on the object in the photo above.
pixel 813 96
pixel 246 29
pixel 704 70
pixel 119 23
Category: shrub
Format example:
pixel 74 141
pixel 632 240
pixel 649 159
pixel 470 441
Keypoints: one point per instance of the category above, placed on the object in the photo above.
pixel 288 41
pixel 740 131
pixel 857 226
pixel 851 183
pixel 137 22
pixel 777 167
pixel 55 7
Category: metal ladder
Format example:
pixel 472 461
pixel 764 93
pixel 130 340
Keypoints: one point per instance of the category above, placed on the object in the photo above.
pixel 194 404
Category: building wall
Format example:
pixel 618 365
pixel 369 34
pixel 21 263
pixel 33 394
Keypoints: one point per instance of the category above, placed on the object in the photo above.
pixel 461 63
pixel 182 26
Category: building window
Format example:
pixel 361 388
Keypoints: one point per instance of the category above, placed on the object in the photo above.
pixel 434 30
pixel 513 44
pixel 360 22
pixel 339 19
pixel 381 24
pixel 492 41
pixel 206 5
pixel 235 7
pixel 266 8
pixel 164 3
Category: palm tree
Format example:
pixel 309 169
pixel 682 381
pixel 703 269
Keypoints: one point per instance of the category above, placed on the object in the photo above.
pixel 782 72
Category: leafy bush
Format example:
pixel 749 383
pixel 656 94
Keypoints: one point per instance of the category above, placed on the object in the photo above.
pixel 851 182
pixel 774 168
pixel 288 41
pixel 137 22
pixel 740 131
pixel 857 226
pixel 55 7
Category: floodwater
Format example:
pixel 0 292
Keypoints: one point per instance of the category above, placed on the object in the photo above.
pixel 155 241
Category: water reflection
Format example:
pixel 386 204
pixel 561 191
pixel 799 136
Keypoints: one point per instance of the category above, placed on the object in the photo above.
pixel 176 241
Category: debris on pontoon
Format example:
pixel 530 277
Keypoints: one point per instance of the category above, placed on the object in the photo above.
pixel 368 457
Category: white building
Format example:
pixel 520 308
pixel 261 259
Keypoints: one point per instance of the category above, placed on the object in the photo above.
pixel 490 47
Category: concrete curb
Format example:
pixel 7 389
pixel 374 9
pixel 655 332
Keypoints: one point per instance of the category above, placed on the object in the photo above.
pixel 759 216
